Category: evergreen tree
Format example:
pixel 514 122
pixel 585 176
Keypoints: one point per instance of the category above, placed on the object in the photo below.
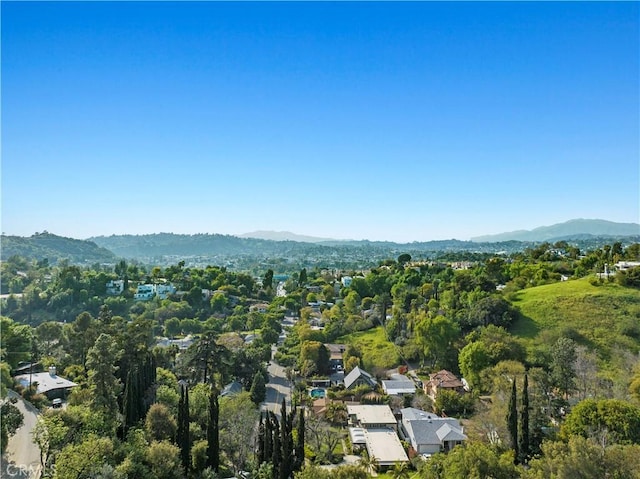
pixel 183 427
pixel 213 432
pixel 276 455
pixel 300 443
pixel 101 360
pixel 268 438
pixel 258 388
pixel 132 405
pixel 523 442
pixel 512 421
pixel 302 279
pixel 260 450
pixel 286 443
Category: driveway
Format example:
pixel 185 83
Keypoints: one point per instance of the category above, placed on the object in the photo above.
pixel 22 458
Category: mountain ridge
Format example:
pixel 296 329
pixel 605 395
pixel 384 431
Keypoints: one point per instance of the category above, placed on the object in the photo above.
pixel 574 228
pixel 285 236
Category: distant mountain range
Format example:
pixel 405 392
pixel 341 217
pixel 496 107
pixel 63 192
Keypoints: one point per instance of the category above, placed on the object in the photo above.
pixel 572 229
pixel 289 248
pixel 284 236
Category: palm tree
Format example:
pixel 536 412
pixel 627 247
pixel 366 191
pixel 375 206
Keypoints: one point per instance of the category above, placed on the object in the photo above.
pixel 369 463
pixel 400 471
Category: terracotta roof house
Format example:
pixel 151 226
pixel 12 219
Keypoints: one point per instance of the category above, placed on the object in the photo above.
pixel 428 433
pixel 358 377
pixel 443 380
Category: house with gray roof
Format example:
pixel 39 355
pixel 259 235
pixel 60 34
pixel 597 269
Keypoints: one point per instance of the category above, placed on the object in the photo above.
pixel 49 383
pixel 428 433
pixel 398 385
pixel 358 377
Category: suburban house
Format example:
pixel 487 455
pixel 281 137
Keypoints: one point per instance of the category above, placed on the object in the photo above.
pixel 358 377
pixel 428 433
pixel 626 265
pixel 375 427
pixel 398 385
pixel 443 380
pixel 371 416
pixel 146 292
pixel 115 287
pixel 356 436
pixel 335 355
pixel 259 308
pixel 182 344
pixel 49 383
pixel 385 446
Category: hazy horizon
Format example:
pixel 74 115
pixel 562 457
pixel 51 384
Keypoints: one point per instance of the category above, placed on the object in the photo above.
pixel 399 122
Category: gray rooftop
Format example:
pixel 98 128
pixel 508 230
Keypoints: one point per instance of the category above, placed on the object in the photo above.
pixel 46 382
pixel 356 373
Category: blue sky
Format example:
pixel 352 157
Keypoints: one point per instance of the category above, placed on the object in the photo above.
pixel 381 121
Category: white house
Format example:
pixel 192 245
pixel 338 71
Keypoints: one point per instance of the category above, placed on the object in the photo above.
pixel 385 446
pixel 398 385
pixel 371 416
pixel 115 287
pixel 626 265
pixel 429 434
pixel 146 292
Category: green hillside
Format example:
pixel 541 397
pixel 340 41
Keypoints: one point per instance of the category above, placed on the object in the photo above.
pixel 604 317
pixel 377 351
pixel 54 248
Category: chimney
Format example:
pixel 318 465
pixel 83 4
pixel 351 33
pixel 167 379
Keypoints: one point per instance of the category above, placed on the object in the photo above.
pixel 52 371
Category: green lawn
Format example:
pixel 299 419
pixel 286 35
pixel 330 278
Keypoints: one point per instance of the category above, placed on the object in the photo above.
pixel 377 351
pixel 601 317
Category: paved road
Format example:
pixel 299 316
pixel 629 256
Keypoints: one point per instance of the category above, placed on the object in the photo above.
pixel 277 388
pixel 22 459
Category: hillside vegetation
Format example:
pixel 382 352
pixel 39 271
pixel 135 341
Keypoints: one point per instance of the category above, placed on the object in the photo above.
pixel 378 352
pixel 47 246
pixel 601 316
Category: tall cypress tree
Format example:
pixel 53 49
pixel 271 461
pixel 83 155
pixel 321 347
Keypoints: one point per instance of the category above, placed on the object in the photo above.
pixel 286 441
pixel 183 427
pixel 213 433
pixel 523 442
pixel 129 410
pixel 300 442
pixel 268 438
pixel 260 450
pixel 512 421
pixel 276 455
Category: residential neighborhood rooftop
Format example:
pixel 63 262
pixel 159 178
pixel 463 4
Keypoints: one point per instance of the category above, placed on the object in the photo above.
pixel 47 381
pixel 385 446
pixel 372 414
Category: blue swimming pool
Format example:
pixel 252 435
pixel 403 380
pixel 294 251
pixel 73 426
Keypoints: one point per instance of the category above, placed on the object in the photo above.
pixel 317 393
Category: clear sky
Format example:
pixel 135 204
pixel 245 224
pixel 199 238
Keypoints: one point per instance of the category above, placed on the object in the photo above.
pixel 381 121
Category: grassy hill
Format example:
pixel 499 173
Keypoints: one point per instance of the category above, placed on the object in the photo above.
pixel 604 317
pixel 377 351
